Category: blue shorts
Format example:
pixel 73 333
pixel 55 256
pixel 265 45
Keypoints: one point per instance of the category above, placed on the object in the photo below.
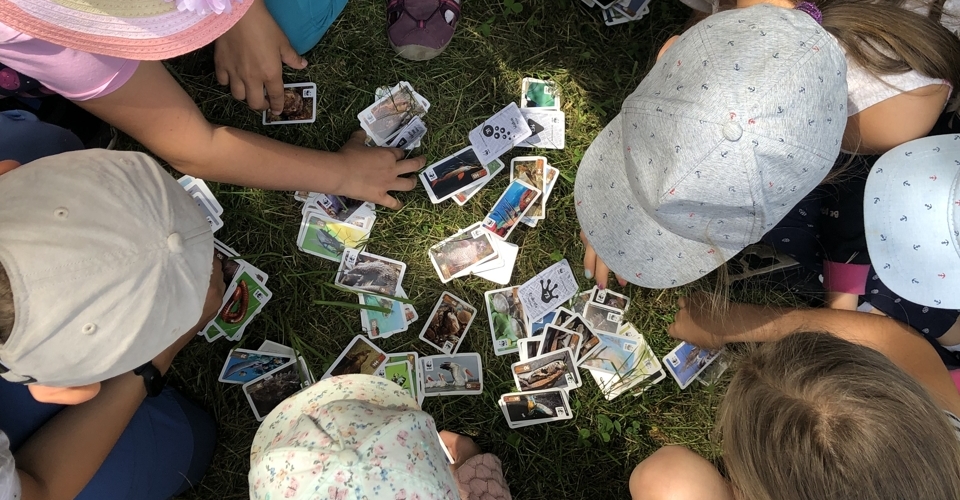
pixel 305 21
pixel 25 138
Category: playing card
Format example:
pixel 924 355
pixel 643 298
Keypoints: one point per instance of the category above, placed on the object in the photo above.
pixel 461 197
pixel 625 361
pixel 410 135
pixel 244 365
pixel 366 272
pixel 508 322
pixel 343 209
pixel 272 347
pixel 267 392
pixel 245 302
pixel 455 173
pixel 400 373
pixel 610 299
pixel 590 342
pixel 712 373
pixel 529 169
pixel 500 275
pixel 536 327
pixel 299 105
pixel 548 127
pixel 539 94
pixel 632 9
pixel 302 195
pixel 360 356
pixel 539 209
pixel 548 290
pixel 327 238
pixel 385 117
pixel 556 338
pixel 378 324
pixel 413 361
pixel 449 375
pixel 613 17
pixel 458 254
pixel 556 370
pixel 446 451
pixel 686 361
pixel 499 134
pixel 447 325
pixel 523 409
pixel 579 301
pixel 208 212
pixel 410 313
pixel 513 204
pixel 562 317
pixel 198 188
pixel 528 348
pixel 602 319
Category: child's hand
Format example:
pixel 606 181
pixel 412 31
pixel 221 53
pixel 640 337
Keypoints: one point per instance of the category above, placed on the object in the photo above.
pixel 461 448
pixel 697 321
pixel 370 173
pixel 593 267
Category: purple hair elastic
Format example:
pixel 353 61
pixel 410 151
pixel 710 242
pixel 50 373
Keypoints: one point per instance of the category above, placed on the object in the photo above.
pixel 811 9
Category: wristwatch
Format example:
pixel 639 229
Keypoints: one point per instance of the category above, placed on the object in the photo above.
pixel 153 380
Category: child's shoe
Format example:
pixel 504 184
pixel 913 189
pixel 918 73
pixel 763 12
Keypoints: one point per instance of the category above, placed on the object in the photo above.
pixel 420 29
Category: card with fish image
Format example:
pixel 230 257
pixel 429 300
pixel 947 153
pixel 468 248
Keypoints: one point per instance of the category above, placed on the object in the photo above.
pixel 328 238
pixel 457 255
pixel 378 324
pixel 625 362
pixel 590 343
pixel 299 105
pixel 270 389
pixel 508 322
pixel 513 204
pixel 448 375
pixel 602 319
pixel 686 361
pixel 413 360
pixel 360 356
pixel 244 365
pixel 523 409
pixel 447 325
pixel 461 197
pixel 528 348
pixel 610 299
pixel 556 338
pixel 367 272
pixel 554 370
pixel 536 93
pixel 383 119
pixel 455 173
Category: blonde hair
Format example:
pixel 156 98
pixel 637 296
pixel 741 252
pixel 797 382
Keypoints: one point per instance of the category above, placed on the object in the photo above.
pixel 6 306
pixel 813 416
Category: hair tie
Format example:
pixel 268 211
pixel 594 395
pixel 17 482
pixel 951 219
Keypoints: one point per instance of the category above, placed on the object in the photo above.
pixel 811 9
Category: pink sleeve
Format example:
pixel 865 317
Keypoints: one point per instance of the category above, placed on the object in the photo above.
pixel 845 278
pixel 73 74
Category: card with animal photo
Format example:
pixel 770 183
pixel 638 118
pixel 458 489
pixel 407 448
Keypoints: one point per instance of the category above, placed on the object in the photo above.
pixel 244 303
pixel 501 274
pixel 590 343
pixel 563 315
pixel 529 169
pixel 613 17
pixel 686 361
pixel 458 254
pixel 413 360
pixel 523 409
pixel 457 172
pixel 556 338
pixel 637 365
pixel 299 105
pixel 536 327
pixel 499 134
pixel 447 325
pixel 360 356
pixel 366 272
pixel 379 324
pixel 461 197
pixel 610 299
pixel 244 365
pixel 306 375
pixel 602 319
pixel 269 390
pixel 712 373
pixel 410 135
pixel 579 301
pixel 548 290
pixel 450 375
pixel 539 94
pixel 508 322
pixel 633 9
pixel 342 209
pixel 528 348
pixel 555 370
pixel 539 210
pixel 515 201
pixel 385 117
pixel 401 374
pixel 327 238
pixel 549 127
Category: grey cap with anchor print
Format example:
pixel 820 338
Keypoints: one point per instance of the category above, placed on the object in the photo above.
pixel 740 118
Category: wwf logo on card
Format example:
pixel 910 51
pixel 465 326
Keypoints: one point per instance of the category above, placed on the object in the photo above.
pixel 431 175
pixel 259 295
pixel 569 378
pixel 613 317
pixel 447 347
pixel 428 364
pixel 308 92
pixel 560 412
pixel 488 223
pixel 501 343
pixel 629 347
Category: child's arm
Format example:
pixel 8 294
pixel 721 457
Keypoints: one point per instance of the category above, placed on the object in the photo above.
pixel 914 113
pixel 153 109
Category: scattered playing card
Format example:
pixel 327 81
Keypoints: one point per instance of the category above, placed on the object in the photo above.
pixel 268 391
pixel 515 201
pixel 556 338
pixel 602 319
pixel 590 343
pixel 457 172
pixel 536 327
pixel 610 299
pixel 410 135
pixel 378 324
pixel 244 365
pixel 625 361
pixel 548 290
pixel 632 9
pixel 462 197
pixel 501 274
pixel 343 209
pixel 539 94
pixel 523 409
pixel 499 134
pixel 508 322
pixel 579 301
pixel 401 373
pixel 244 299
pixel 385 117
pixel 299 105
pixel 458 254
pixel 712 373
pixel 450 375
pixel 413 361
pixel 528 348
pixel 549 127
pixel 556 370
pixel 328 238
pixel 208 212
pixel 366 272
pixel 198 188
pixel 539 209
pixel 360 356
pixel 447 325
pixel 562 317
pixel 686 361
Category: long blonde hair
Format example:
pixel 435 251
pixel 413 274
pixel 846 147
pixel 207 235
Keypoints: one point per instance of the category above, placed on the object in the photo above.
pixel 814 417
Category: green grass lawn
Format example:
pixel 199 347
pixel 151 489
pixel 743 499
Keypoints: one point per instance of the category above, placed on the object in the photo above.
pixel 595 66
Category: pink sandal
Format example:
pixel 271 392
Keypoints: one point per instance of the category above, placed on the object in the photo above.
pixel 420 29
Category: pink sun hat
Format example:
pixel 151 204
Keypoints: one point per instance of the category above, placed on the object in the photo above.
pixel 142 30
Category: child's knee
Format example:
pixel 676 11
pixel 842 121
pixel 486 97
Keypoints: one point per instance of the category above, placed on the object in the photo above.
pixel 674 472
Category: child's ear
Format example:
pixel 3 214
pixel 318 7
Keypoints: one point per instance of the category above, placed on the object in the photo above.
pixel 666 45
pixel 8 165
pixel 64 395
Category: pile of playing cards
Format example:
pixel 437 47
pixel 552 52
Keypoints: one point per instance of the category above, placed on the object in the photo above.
pixel 209 206
pixel 395 119
pixel 540 107
pixel 332 224
pixel 620 11
pixel 271 373
pixel 378 281
pixel 245 296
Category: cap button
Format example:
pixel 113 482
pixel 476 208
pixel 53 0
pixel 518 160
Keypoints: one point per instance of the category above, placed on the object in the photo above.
pixel 89 328
pixel 61 212
pixel 732 131
pixel 348 457
pixel 175 243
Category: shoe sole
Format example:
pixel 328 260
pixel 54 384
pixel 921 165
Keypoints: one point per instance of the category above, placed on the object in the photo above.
pixel 417 52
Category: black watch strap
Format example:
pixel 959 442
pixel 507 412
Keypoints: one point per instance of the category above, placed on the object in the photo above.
pixel 153 380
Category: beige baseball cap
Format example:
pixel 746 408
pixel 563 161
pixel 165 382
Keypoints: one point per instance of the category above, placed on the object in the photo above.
pixel 109 262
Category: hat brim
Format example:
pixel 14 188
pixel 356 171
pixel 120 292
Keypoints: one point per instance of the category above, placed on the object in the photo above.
pixel 167 34
pixel 640 257
pixel 909 214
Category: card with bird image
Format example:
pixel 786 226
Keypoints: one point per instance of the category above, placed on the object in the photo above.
pixel 554 370
pixel 328 238
pixel 528 348
pixel 447 375
pixel 523 409
pixel 499 133
pixel 244 302
pixel 536 93
pixel 360 356
pixel 686 361
pixel 299 105
pixel 367 272
pixel 513 204
pixel 549 127
pixel 413 360
pixel 447 325
pixel 244 365
pixel 590 342
pixel 385 117
pixel 556 338
pixel 508 322
pixel 461 197
pixel 270 389
pixel 458 254
pixel 455 173
pixel 548 290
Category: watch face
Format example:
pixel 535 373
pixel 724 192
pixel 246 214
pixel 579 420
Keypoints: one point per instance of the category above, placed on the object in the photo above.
pixel 153 381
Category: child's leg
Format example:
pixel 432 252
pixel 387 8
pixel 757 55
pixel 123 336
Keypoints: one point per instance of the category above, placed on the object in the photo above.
pixel 676 473
pixel 304 21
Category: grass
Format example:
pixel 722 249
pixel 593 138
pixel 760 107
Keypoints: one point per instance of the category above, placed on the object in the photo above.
pixel 596 67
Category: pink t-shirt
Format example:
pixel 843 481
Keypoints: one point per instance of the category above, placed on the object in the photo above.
pixel 73 74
